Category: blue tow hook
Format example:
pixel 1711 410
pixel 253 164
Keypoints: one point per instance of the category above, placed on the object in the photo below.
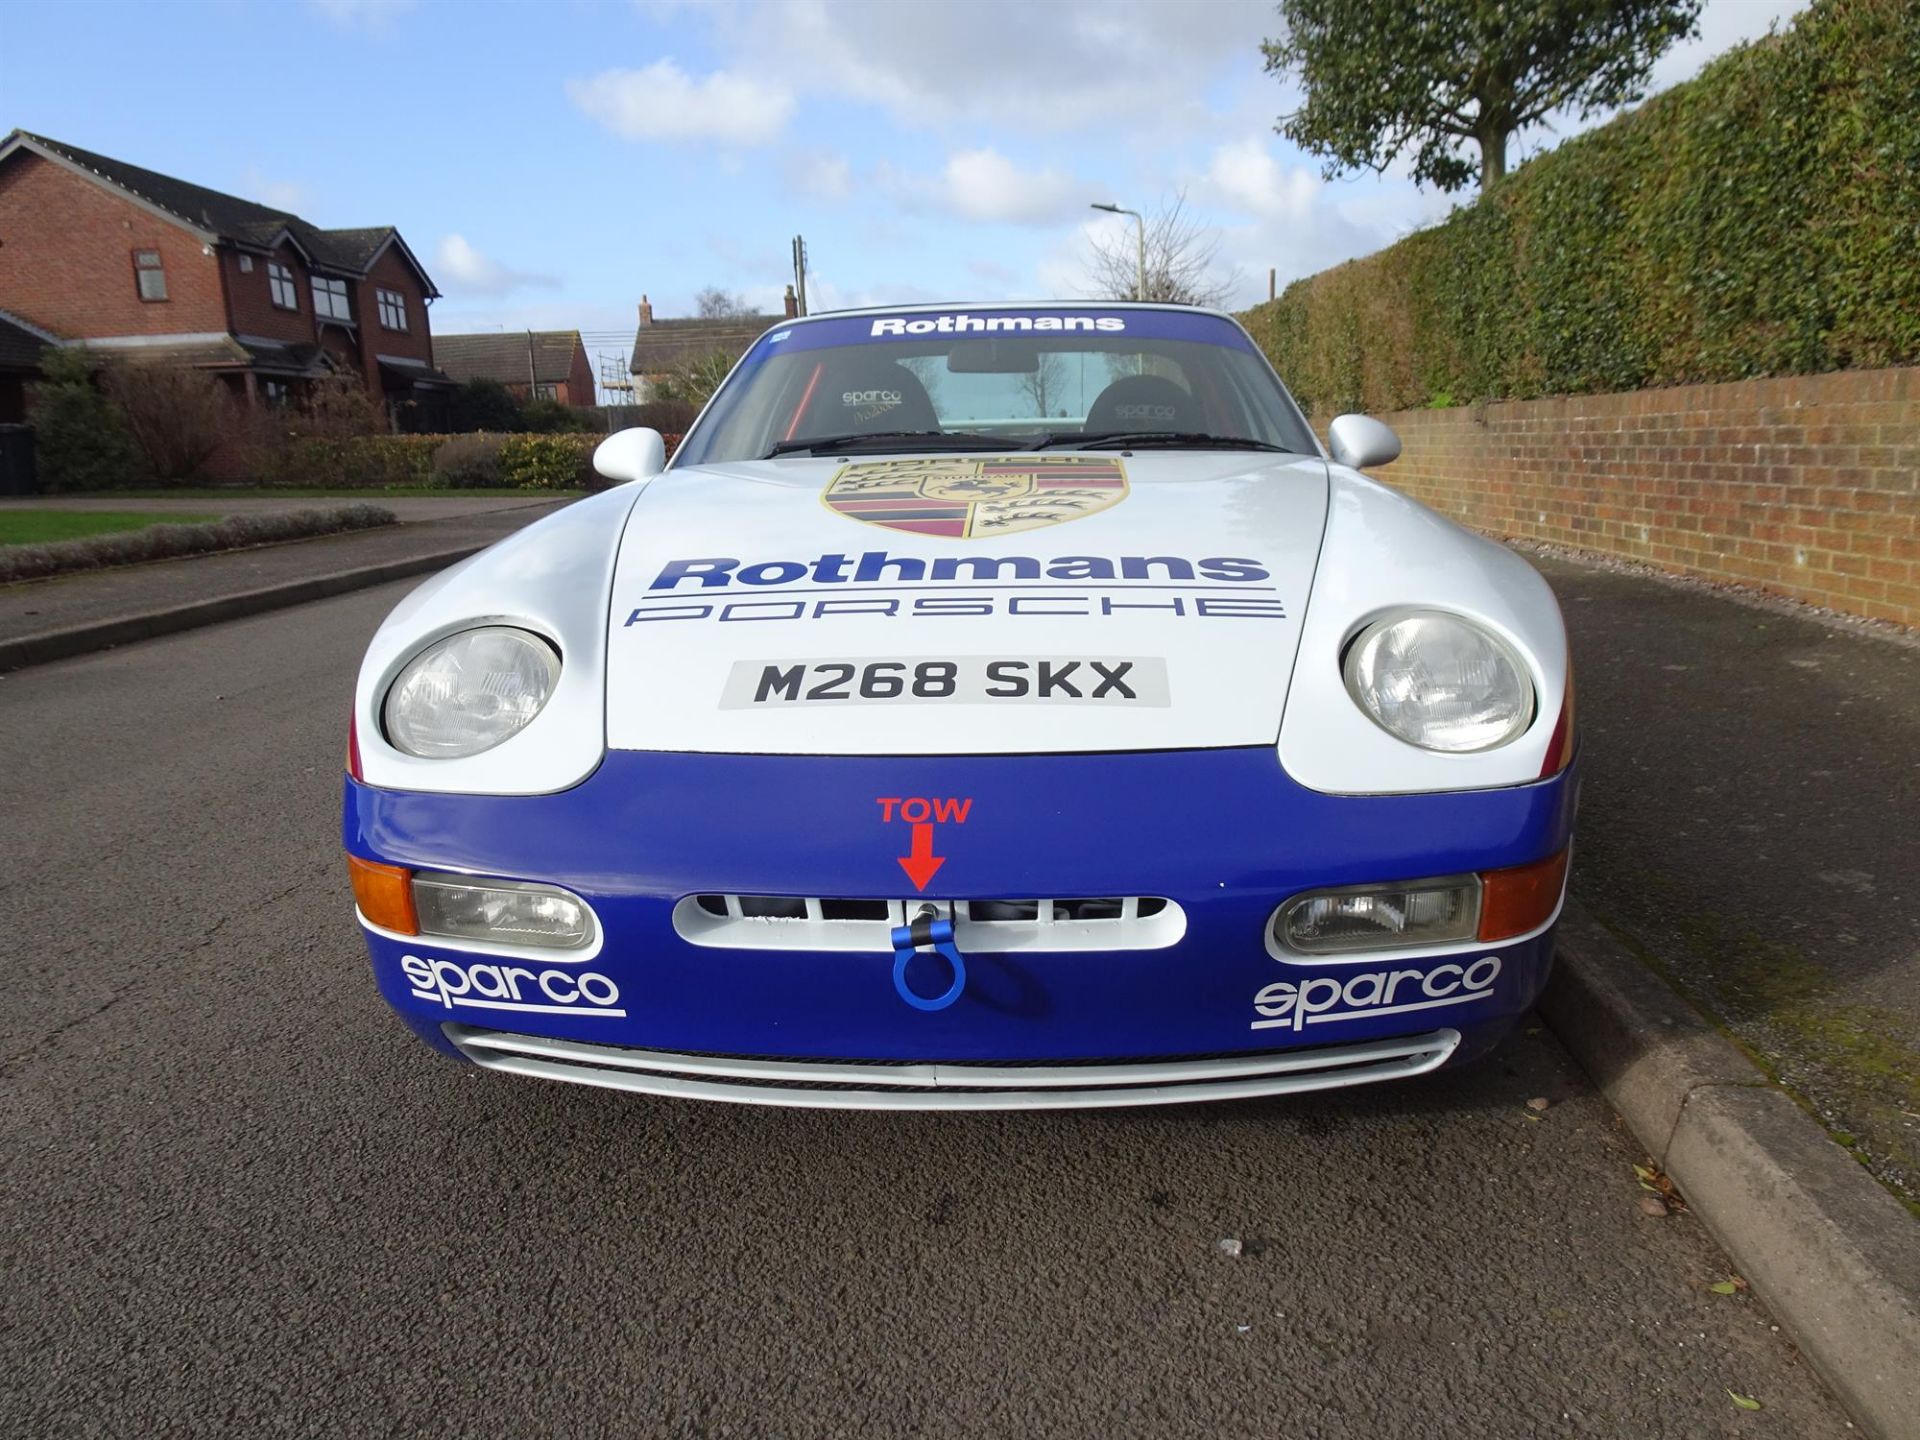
pixel 925 934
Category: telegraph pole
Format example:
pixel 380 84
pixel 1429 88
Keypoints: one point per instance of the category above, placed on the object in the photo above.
pixel 800 272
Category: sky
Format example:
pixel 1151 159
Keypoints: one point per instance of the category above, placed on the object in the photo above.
pixel 550 163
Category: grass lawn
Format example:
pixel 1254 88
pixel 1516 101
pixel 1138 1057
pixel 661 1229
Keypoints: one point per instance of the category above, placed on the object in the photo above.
pixel 347 492
pixel 36 527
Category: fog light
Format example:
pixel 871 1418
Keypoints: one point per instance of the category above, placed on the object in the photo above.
pixel 1380 917
pixel 505 912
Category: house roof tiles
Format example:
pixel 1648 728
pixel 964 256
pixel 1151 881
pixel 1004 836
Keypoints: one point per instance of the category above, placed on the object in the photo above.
pixel 664 345
pixel 228 216
pixel 502 355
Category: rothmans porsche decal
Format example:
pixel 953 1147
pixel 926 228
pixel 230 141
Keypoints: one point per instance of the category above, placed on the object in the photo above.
pixel 967 495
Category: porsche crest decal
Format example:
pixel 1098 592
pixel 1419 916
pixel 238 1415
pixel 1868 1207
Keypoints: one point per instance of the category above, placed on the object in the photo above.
pixel 963 496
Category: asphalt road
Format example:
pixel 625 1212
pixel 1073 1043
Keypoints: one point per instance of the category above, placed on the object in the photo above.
pixel 236 1198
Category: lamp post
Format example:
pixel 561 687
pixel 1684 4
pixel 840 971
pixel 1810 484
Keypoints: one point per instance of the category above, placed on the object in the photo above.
pixel 1140 224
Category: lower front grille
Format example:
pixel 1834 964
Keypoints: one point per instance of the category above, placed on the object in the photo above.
pixel 884 1085
pixel 825 923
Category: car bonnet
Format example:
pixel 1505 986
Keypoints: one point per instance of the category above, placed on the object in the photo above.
pixel 810 605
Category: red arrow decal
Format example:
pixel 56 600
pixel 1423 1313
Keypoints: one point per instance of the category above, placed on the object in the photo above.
pixel 922 865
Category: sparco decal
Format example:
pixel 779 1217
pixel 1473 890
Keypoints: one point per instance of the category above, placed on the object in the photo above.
pixel 1290 1005
pixel 486 985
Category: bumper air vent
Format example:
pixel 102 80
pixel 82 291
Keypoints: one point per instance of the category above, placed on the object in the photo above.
pixel 787 922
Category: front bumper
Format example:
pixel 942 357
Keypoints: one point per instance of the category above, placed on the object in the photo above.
pixel 1224 834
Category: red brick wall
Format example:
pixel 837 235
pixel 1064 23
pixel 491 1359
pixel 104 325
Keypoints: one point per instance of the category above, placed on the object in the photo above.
pixel 66 258
pixel 250 299
pixel 1807 486
pixel 578 387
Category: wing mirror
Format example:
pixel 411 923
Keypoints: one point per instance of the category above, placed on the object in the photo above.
pixel 1360 441
pixel 635 454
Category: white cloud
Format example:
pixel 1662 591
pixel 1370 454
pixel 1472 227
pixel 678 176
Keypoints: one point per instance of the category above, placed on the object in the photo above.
pixel 663 102
pixel 986 187
pixel 374 15
pixel 464 267
pixel 1019 64
pixel 820 175
pixel 1245 176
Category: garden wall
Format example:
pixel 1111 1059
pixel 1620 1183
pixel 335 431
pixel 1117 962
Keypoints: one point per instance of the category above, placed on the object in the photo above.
pixel 1806 486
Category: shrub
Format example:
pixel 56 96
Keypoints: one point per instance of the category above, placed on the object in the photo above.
pixel 548 462
pixel 176 417
pixel 79 439
pixel 468 462
pixel 1757 220
pixel 339 407
pixel 482 405
pixel 356 461
pixel 167 542
pixel 550 417
pixel 669 417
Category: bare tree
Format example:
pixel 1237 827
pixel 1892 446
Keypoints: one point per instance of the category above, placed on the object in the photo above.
pixel 1045 383
pixel 1181 262
pixel 713 303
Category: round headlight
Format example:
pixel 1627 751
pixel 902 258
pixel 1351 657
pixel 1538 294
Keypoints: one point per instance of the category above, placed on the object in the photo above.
pixel 1439 682
pixel 469 692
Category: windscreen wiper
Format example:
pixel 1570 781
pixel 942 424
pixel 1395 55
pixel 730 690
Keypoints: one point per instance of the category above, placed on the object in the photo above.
pixel 1157 439
pixel 892 440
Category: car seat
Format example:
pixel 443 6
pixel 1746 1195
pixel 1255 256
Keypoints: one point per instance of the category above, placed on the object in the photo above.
pixel 1142 402
pixel 861 394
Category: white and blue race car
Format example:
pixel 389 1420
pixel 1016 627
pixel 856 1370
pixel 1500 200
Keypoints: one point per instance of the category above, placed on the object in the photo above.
pixel 988 707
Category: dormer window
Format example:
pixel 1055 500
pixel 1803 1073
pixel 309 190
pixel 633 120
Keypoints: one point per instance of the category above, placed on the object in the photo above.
pixel 149 275
pixel 330 299
pixel 280 283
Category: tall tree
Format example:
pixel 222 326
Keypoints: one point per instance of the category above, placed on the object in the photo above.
pixel 713 303
pixel 1388 77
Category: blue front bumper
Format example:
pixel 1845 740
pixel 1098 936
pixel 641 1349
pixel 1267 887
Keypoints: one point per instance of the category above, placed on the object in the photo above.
pixel 1224 833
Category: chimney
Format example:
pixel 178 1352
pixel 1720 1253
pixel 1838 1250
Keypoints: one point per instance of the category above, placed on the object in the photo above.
pixel 793 304
pixel 646 311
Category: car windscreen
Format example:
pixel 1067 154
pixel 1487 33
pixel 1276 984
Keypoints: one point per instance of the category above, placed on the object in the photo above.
pixel 1008 379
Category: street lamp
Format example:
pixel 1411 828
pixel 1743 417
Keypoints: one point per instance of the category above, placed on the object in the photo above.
pixel 1140 285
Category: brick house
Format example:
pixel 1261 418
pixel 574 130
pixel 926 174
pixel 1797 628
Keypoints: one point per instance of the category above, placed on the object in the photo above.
pixel 537 364
pixel 141 265
pixel 662 346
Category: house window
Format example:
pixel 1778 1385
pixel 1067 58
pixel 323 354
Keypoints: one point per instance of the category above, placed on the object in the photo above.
pixel 149 275
pixel 280 282
pixel 275 393
pixel 393 309
pixel 330 299
pixel 246 264
pixel 545 392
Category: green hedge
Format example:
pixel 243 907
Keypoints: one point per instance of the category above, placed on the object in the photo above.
pixel 1761 219
pixel 562 461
